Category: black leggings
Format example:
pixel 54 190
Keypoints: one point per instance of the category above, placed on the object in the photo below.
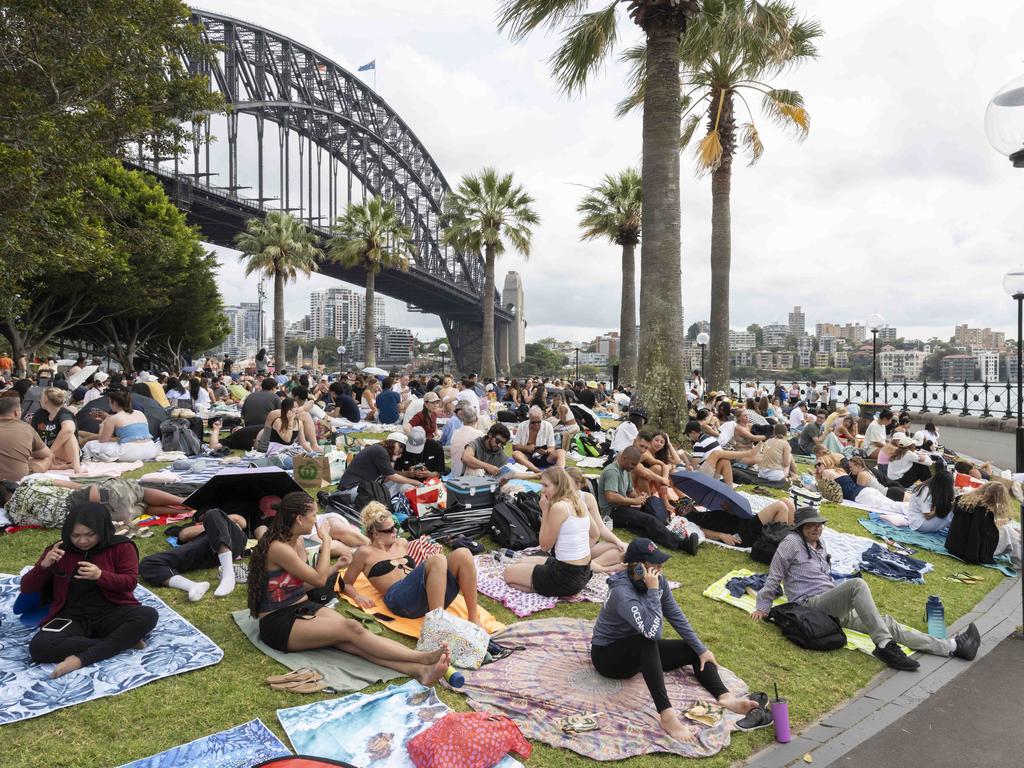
pixel 93 640
pixel 652 658
pixel 197 554
pixel 639 520
pixel 916 472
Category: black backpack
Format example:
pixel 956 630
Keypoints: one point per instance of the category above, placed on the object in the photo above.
pixel 763 548
pixel 177 435
pixel 529 503
pixel 808 627
pixel 374 491
pixel 973 535
pixel 511 527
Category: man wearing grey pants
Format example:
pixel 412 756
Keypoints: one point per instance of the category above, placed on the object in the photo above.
pixel 802 564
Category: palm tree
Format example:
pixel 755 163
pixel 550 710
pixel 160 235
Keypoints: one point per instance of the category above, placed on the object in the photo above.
pixel 486 211
pixel 280 247
pixel 371 236
pixel 588 39
pixel 612 210
pixel 731 49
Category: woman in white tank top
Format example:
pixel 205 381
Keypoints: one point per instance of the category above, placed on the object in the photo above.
pixel 606 549
pixel 565 530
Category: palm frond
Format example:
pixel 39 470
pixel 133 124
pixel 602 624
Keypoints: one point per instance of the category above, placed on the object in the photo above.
pixel 751 142
pixel 487 209
pixel 584 49
pixel 709 151
pixel 787 109
pixel 612 209
pixel 521 17
pixel 636 58
pixel 689 127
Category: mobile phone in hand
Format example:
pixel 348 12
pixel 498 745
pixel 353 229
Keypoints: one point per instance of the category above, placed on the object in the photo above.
pixel 56 625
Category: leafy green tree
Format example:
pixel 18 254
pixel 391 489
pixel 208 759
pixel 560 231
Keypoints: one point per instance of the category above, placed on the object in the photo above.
pixel 80 79
pixel 692 331
pixel 280 247
pixel 486 211
pixel 539 360
pixel 732 48
pixel 758 332
pixel 612 210
pixel 588 38
pixel 372 237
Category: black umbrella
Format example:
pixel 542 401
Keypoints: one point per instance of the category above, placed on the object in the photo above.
pixel 711 493
pixel 240 489
pixel 156 414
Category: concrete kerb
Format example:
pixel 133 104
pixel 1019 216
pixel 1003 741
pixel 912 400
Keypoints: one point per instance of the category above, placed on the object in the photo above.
pixel 891 694
pixel 986 423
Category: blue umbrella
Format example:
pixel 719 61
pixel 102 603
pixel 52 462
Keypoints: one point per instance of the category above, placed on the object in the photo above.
pixel 710 493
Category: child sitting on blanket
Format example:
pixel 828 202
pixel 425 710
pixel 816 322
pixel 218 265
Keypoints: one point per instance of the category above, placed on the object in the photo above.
pixel 627 639
pixel 410 590
pixel 280 576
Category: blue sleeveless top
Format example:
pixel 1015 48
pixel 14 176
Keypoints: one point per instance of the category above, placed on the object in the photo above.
pixel 130 432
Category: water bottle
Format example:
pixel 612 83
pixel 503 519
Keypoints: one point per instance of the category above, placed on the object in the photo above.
pixel 455 678
pixel 935 616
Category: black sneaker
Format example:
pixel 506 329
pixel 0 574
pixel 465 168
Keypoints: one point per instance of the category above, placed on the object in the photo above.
pixel 893 656
pixel 690 544
pixel 967 643
pixel 754 719
pixel 760 698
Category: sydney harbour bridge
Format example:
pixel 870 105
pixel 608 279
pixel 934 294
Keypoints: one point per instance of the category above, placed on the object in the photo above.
pixel 302 134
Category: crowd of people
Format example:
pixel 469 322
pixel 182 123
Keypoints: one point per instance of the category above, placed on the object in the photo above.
pixel 438 427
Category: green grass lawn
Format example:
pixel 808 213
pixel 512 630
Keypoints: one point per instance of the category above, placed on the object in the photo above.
pixel 152 718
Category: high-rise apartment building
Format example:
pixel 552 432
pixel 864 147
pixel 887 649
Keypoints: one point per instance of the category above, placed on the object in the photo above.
pixel 796 322
pixel 338 313
pixel 979 338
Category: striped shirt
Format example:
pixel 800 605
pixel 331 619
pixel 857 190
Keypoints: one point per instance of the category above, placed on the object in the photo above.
pixel 804 571
pixel 704 445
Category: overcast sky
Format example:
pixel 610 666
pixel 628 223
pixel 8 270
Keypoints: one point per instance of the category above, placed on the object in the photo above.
pixel 894 204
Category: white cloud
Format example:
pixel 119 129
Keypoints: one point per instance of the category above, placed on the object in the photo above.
pixel 895 203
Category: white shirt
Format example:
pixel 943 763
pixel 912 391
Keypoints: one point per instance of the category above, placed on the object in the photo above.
pixel 469 396
pixel 725 433
pixel 796 419
pixel 748 392
pixel 91 394
pixel 624 436
pixel 545 435
pixel 874 436
pixel 923 434
pixel 462 437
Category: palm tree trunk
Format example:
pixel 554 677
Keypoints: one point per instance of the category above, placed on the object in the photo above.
pixel 279 350
pixel 721 251
pixel 369 321
pixel 627 316
pixel 487 343
pixel 660 369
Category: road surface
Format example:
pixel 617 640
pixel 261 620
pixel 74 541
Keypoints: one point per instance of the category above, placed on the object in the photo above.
pixel 997 447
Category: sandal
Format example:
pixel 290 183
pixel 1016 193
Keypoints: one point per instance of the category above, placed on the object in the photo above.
pixel 965 578
pixel 302 675
pixel 574 724
pixel 316 686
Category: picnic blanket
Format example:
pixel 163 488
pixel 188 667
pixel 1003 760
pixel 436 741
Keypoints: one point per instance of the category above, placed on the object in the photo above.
pixel 554 678
pixel 933 542
pixel 212 467
pixel 99 469
pixel 342 671
pixel 410 627
pixel 490 582
pixel 243 746
pixel 367 729
pixel 26 690
pixel 719 591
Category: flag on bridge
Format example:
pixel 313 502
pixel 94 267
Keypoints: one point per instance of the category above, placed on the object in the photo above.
pixel 372 65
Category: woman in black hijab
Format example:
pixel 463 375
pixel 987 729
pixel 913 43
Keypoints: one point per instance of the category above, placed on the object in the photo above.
pixel 91 574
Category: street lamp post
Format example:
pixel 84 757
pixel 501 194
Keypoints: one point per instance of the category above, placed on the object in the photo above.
pixel 341 360
pixel 576 349
pixel 875 323
pixel 443 349
pixel 1013 284
pixel 702 342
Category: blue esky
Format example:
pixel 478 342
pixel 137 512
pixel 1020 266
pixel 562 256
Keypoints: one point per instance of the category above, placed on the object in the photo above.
pixel 894 204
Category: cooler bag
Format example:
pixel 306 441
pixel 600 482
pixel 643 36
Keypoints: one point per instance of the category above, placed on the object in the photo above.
pixel 472 492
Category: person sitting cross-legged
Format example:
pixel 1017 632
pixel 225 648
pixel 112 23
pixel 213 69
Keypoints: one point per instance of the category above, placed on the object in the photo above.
pixel 628 639
pixel 534 443
pixel 802 566
pixel 711 459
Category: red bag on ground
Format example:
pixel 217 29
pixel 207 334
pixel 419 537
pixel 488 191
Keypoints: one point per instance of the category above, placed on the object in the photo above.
pixel 431 495
pixel 467 740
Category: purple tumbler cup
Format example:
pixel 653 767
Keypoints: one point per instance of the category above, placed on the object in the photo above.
pixel 780 715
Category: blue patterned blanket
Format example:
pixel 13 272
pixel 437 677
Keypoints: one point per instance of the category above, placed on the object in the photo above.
pixel 239 747
pixel 27 691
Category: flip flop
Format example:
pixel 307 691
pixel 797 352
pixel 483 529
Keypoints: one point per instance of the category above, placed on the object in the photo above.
pixel 301 675
pixel 309 687
pixel 574 724
pixel 965 578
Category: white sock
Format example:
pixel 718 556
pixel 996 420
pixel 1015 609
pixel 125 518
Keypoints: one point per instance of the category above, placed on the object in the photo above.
pixel 195 590
pixel 227 575
pixel 952 645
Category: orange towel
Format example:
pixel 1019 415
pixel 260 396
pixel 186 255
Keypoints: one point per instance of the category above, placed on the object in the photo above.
pixel 411 627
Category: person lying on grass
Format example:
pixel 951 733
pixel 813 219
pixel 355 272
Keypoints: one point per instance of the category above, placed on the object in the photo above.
pixel 92 574
pixel 409 590
pixel 606 549
pixel 803 567
pixel 728 528
pixel 565 530
pixel 279 579
pixel 627 640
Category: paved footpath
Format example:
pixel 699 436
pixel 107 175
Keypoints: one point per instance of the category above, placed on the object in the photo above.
pixel 949 713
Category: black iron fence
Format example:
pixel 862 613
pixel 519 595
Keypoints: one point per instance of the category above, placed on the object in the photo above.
pixel 970 398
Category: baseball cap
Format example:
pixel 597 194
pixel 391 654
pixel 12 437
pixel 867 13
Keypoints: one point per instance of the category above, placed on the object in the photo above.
pixel 398 437
pixel 644 551
pixel 100 376
pixel 902 440
pixel 431 397
pixel 417 440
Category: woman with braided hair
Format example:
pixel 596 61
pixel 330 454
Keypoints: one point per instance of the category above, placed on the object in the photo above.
pixel 280 577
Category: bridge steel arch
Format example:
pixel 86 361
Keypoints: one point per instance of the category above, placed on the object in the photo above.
pixel 340 123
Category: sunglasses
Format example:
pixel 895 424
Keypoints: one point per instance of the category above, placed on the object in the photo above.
pixel 385 531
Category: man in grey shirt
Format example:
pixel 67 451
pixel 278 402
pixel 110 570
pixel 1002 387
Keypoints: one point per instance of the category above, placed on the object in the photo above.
pixel 802 564
pixel 258 405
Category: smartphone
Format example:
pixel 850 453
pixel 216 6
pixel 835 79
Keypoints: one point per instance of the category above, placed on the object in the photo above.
pixel 638 570
pixel 56 625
